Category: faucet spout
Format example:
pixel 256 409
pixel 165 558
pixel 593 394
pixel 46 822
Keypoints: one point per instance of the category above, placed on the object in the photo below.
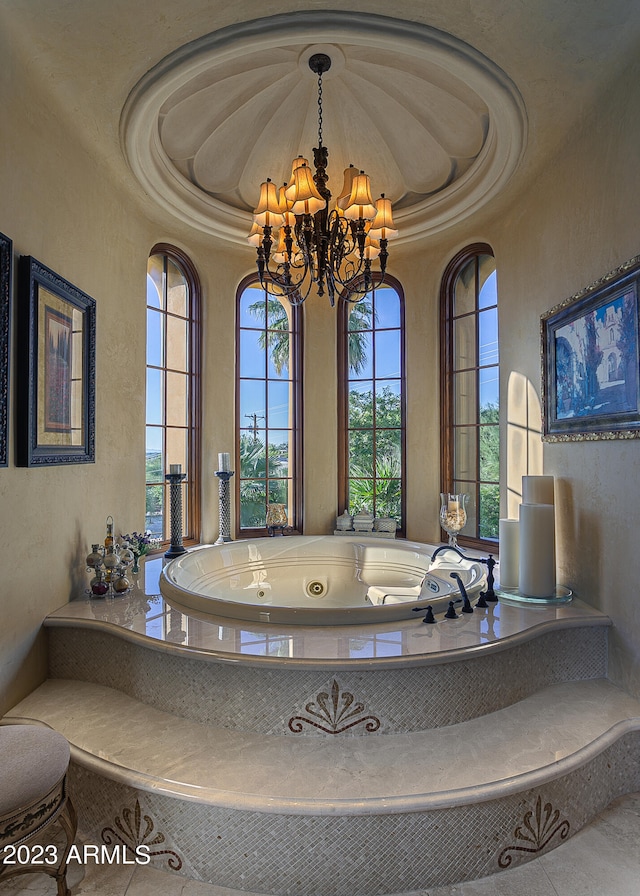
pixel 446 547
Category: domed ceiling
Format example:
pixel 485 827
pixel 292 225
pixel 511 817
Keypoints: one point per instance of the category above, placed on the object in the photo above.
pixel 436 125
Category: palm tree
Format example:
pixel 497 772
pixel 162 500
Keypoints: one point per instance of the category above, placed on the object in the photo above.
pixel 275 338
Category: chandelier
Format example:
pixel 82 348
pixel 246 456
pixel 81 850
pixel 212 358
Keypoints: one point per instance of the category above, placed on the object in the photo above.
pixel 301 241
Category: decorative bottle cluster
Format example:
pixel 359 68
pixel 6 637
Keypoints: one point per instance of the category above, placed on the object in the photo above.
pixel 108 564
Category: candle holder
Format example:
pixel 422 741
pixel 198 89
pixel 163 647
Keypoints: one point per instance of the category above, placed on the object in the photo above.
pixel 276 519
pixel 225 506
pixel 453 515
pixel 175 499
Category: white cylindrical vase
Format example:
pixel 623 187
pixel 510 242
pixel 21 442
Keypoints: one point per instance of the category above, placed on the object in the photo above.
pixel 509 531
pixel 537 567
pixel 537 490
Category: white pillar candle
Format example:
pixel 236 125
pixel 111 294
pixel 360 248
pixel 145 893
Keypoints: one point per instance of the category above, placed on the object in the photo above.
pixel 509 553
pixel 537 490
pixel 537 567
pixel 224 463
pixel 175 468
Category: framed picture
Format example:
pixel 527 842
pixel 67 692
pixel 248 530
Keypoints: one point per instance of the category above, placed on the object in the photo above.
pixel 591 361
pixel 55 389
pixel 6 259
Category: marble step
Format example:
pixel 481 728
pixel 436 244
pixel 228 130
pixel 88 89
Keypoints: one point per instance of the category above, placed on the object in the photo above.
pixel 520 746
pixel 343 816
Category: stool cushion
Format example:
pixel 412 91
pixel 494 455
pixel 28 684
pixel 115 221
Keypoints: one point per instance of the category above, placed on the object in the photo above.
pixel 32 760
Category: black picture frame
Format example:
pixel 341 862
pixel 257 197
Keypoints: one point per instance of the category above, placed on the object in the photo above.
pixel 6 264
pixel 591 361
pixel 55 384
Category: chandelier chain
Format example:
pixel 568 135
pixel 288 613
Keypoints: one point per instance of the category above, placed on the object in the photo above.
pixel 320 109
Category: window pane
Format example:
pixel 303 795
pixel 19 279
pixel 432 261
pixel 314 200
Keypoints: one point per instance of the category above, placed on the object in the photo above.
pixel 278 353
pixel 488 336
pixel 387 304
pixel 361 315
pixel 154 510
pixel 155 379
pixel 252 308
pixel 388 498
pixel 465 452
pixel 279 491
pixel 279 450
pixel 361 404
pixel 360 346
pixel 465 399
pixel 253 503
pixel 252 343
pixel 278 315
pixel 253 403
pixel 389 404
pixel 488 294
pixel 387 345
pixel 278 408
pixel 361 495
pixel 465 289
pixel 176 290
pixel 489 388
pixel 154 471
pixel 388 452
pixel 154 337
pixel 489 511
pixel 177 399
pixel 155 279
pixel 361 452
pixel 253 455
pixel 177 448
pixel 467 488
pixel 464 342
pixel 489 453
pixel 177 344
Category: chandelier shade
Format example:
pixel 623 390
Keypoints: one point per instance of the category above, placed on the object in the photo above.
pixel 305 241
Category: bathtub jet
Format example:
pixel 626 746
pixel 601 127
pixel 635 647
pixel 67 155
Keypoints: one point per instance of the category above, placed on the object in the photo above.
pixel 318 580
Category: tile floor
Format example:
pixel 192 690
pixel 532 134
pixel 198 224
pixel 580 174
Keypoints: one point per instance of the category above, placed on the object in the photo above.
pixel 601 860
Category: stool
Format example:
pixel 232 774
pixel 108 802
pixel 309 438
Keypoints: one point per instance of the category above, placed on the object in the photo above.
pixel 33 768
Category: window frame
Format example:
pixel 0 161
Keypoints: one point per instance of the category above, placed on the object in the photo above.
pixel 447 399
pixel 343 400
pixel 192 483
pixel 296 524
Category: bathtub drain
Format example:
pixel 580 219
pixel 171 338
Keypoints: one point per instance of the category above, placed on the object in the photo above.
pixel 316 588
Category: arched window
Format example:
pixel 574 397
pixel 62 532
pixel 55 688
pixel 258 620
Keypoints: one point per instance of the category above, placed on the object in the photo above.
pixel 269 408
pixel 471 389
pixel 371 403
pixel 173 389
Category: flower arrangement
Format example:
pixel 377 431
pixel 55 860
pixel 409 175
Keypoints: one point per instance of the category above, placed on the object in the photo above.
pixel 141 543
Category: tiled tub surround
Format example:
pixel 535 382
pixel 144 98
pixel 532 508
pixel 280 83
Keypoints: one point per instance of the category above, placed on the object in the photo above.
pixel 364 760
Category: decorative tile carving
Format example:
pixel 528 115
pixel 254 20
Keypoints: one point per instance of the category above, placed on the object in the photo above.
pixel 536 834
pixel 131 835
pixel 334 713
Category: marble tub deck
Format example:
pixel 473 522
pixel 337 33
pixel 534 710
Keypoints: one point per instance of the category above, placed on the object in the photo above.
pixel 569 743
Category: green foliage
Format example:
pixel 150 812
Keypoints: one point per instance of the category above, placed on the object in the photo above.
pixel 489 471
pixel 380 494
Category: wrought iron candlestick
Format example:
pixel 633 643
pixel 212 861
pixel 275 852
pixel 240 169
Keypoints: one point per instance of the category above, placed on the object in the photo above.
pixel 175 498
pixel 225 506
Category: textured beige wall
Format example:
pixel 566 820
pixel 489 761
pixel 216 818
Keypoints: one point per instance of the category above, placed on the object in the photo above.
pixel 578 221
pixel 581 220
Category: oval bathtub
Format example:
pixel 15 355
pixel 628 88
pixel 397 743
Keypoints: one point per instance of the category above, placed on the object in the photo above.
pixel 317 580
